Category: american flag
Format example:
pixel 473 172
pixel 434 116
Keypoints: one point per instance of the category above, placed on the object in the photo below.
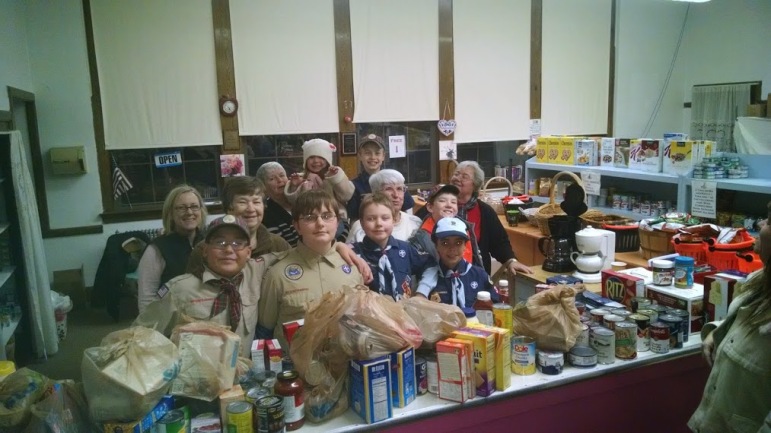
pixel 120 184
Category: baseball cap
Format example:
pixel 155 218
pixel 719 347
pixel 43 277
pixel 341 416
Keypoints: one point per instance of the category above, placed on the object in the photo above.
pixel 450 226
pixel 443 189
pixel 372 138
pixel 227 221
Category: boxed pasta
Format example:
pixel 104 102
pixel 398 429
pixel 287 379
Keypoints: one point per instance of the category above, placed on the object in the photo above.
pixel 585 152
pixel 646 155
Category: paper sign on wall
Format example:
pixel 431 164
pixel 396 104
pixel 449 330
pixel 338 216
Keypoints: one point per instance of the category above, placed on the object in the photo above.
pixel 397 146
pixel 448 150
pixel 171 159
pixel 591 181
pixel 535 128
pixel 703 198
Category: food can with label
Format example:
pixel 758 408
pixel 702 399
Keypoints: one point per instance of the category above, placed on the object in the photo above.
pixel 623 312
pixel 257 393
pixel 603 340
pixel 270 414
pixel 550 362
pixel 421 373
pixel 610 320
pixel 675 324
pixel 240 417
pixel 523 355
pixel 653 316
pixel 659 333
pixel 583 337
pixel 640 302
pixel 643 339
pixel 432 373
pixel 597 314
pixel 172 422
pixel 626 340
pixel 582 356
pixel 503 316
pixel 685 324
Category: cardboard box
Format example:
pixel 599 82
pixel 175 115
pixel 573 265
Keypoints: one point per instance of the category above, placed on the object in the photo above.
pixel 567 148
pixel 258 355
pixel 370 393
pixel 586 152
pixel 719 291
pixel 552 156
pixel 290 328
pixel 470 385
pixel 70 282
pixel 691 300
pixel 607 151
pixel 403 385
pixel 274 356
pixel 502 355
pixel 621 288
pixel 678 157
pixel 621 153
pixel 541 149
pixel 145 424
pixel 484 358
pixel 453 370
pixel 646 155
pixel 757 110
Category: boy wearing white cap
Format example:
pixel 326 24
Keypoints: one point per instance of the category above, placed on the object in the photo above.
pixel 459 281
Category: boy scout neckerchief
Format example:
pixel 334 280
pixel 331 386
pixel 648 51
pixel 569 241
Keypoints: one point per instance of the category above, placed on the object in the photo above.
pixel 458 290
pixel 228 291
pixel 385 272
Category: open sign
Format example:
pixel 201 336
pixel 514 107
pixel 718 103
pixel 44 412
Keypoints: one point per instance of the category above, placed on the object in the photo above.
pixel 172 159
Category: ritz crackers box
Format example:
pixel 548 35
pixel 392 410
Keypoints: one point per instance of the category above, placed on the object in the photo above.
pixel 370 389
pixel 403 384
pixel 502 354
pixel 541 149
pixel 484 358
pixel 470 387
pixel 452 370
pixel 621 288
pixel 690 300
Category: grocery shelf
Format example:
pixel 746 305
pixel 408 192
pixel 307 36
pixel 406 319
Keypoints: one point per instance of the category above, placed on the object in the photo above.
pixel 749 184
pixel 604 209
pixel 606 171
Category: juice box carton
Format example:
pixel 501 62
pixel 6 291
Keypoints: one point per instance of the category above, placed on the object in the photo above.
pixel 691 300
pixel 621 287
pixel 646 155
pixel 145 424
pixel 585 152
pixel 567 150
pixel 679 157
pixel 274 355
pixel 403 385
pixel 484 358
pixel 607 151
pixel 258 355
pixel 541 149
pixel 553 154
pixel 370 389
pixel 719 291
pixel 621 152
pixel 453 371
pixel 502 354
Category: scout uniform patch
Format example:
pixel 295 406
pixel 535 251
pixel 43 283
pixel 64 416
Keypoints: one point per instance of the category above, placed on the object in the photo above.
pixel 293 271
pixel 346 269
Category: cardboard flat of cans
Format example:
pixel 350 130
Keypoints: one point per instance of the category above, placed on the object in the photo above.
pixel 691 300
pixel 370 389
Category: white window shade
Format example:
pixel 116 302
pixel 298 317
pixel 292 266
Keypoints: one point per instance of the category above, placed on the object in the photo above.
pixel 575 66
pixel 157 73
pixel 492 69
pixel 395 50
pixel 284 61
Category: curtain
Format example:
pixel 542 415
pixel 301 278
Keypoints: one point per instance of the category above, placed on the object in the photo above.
pixel 576 67
pixel 41 311
pixel 714 110
pixel 395 52
pixel 491 41
pixel 284 63
pixel 157 73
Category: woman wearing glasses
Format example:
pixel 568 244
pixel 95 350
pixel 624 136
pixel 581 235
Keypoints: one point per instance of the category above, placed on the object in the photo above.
pixel 184 220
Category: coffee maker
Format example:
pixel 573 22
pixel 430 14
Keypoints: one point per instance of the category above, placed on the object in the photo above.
pixel 558 247
pixel 596 251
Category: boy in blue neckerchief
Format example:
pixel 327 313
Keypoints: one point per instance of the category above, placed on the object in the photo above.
pixel 459 281
pixel 393 262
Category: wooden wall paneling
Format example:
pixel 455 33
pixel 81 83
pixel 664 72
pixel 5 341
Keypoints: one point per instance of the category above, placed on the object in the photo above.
pixel 536 33
pixel 226 77
pixel 446 81
pixel 612 66
pixel 344 66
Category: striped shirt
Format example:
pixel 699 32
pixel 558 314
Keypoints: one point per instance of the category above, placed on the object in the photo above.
pixel 279 221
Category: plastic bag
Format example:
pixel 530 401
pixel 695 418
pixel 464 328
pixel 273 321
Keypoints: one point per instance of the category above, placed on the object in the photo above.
pixel 128 373
pixel 61 303
pixel 550 317
pixel 435 320
pixel 208 352
pixel 63 410
pixel 18 392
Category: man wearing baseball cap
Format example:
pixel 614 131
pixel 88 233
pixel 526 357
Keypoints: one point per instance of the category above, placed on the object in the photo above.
pixel 225 290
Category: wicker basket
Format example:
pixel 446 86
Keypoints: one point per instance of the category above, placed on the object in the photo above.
pixel 597 219
pixel 495 203
pixel 552 208
pixel 656 243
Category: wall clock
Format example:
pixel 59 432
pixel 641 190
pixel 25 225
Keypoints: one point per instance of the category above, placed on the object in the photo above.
pixel 228 106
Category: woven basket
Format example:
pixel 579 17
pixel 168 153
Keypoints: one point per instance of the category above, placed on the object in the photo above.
pixel 495 203
pixel 597 219
pixel 552 208
pixel 654 243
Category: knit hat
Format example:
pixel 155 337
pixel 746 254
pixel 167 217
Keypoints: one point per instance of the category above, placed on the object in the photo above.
pixel 320 148
pixel 449 226
pixel 372 138
pixel 227 221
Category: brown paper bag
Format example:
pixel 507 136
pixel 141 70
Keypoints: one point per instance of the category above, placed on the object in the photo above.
pixel 550 317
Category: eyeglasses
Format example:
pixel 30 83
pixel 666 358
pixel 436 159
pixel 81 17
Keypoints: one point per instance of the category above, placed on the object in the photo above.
pixel 456 244
pixel 237 245
pixel 312 217
pixel 183 209
pixel 463 176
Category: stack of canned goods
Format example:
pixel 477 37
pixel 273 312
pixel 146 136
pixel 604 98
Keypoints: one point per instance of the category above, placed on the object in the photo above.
pixel 721 168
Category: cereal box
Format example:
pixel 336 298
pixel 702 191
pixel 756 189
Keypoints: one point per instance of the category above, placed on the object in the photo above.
pixel 621 153
pixel 678 157
pixel 453 368
pixel 502 355
pixel 646 155
pixel 690 300
pixel 370 389
pixel 621 288
pixel 541 149
pixel 585 152
pixel 552 157
pixel 484 358
pixel 607 151
pixel 403 384
pixel 719 291
pixel 567 150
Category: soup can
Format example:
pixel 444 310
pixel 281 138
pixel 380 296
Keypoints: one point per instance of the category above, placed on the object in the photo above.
pixel 172 422
pixel 626 340
pixel 270 414
pixel 603 340
pixel 257 393
pixel 523 355
pixel 550 362
pixel 640 302
pixel 653 316
pixel 581 307
pixel 597 314
pixel 583 337
pixel 622 312
pixel 610 320
pixel 643 339
pixel 421 371
pixel 675 324
pixel 240 417
pixel 658 308
pixel 685 324
pixel 659 333
pixel 503 316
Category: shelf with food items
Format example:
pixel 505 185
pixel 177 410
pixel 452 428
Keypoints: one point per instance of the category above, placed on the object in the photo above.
pixel 750 184
pixel 628 173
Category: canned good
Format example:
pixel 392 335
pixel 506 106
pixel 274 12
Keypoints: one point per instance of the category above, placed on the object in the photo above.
pixel 421 371
pixel 582 356
pixel 240 417
pixel 267 379
pixel 172 422
pixel 583 337
pixel 653 316
pixel 257 393
pixel 643 339
pixel 626 340
pixel 432 371
pixel 622 312
pixel 597 314
pixel 581 307
pixel 659 333
pixel 610 320
pixel 503 316
pixel 270 414
pixel 550 362
pixel 603 340
pixel 675 324
pixel 659 309
pixel 639 302
pixel 685 324
pixel 523 355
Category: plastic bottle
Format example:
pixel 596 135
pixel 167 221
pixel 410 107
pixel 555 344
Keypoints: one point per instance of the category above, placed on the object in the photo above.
pixel 765 238
pixel 503 290
pixel 484 308
pixel 471 315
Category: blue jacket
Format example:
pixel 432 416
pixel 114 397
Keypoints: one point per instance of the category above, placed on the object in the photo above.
pixel 361 187
pixel 474 279
pixel 405 262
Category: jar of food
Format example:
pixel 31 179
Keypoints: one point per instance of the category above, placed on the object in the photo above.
pixel 289 386
pixel 684 272
pixel 663 272
pixel 484 308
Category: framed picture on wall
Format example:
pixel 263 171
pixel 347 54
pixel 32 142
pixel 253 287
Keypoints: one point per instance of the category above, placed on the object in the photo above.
pixel 349 143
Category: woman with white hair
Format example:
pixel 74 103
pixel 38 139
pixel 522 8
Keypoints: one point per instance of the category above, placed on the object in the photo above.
pixel 278 211
pixel 391 183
